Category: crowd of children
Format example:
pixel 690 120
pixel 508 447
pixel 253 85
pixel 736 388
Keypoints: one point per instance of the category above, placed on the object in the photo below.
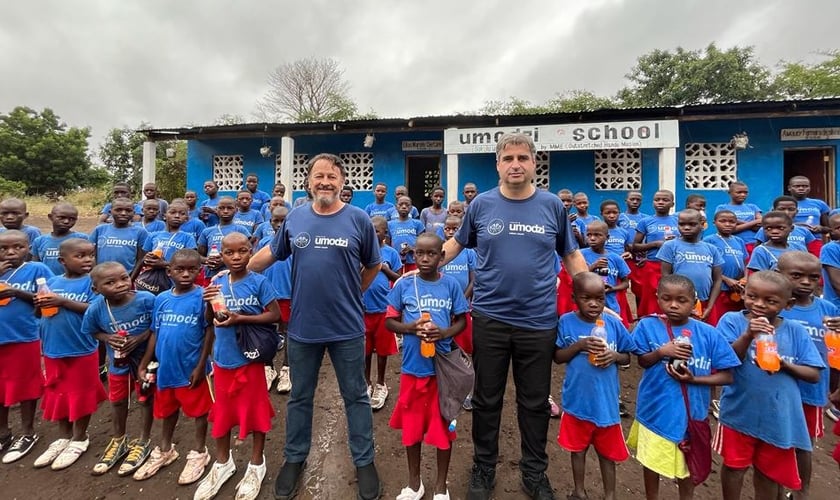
pixel 142 290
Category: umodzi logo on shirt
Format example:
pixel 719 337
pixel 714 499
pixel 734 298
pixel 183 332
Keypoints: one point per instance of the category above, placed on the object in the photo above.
pixel 329 241
pixel 520 228
pixel 302 240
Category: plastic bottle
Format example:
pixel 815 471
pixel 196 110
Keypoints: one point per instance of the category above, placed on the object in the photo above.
pixel 3 302
pixel 453 425
pixel 219 306
pixel 598 331
pixel 44 291
pixel 684 338
pixel 427 349
pixel 767 352
pixel 832 341
pixel 810 220
pixel 698 308
pixel 148 385
pixel 120 357
pixel 214 251
pixel 158 251
pixel 667 233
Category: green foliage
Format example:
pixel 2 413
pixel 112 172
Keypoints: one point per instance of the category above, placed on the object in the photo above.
pixel 822 79
pixel 12 188
pixel 664 78
pixel 171 173
pixel 122 156
pixel 42 152
pixel 570 101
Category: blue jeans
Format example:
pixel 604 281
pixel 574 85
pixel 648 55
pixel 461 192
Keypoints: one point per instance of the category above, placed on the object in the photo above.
pixel 348 360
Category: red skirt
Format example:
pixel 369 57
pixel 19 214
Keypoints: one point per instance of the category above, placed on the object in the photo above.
pixel 73 389
pixel 565 302
pixel 21 378
pixel 241 400
pixel 649 276
pixel 723 305
pixel 417 413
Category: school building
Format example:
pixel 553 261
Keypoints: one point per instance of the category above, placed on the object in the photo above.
pixel 605 153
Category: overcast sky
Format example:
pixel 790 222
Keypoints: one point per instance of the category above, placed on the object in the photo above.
pixel 111 63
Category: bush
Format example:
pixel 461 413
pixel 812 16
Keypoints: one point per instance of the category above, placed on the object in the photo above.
pixel 12 188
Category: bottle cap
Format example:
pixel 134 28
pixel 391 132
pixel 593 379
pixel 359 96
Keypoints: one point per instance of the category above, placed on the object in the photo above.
pixel 599 322
pixel 686 332
pixel 41 281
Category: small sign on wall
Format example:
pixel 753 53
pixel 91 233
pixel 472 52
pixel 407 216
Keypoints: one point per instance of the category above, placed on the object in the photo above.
pixel 422 145
pixel 810 134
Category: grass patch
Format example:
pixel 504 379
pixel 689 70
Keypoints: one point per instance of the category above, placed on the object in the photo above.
pixel 88 201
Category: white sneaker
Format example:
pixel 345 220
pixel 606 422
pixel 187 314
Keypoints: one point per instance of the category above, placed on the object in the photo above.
pixel 380 394
pixel 219 474
pixel 441 496
pixel 270 376
pixel 70 454
pixel 54 450
pixel 284 381
pixel 408 494
pixel 249 487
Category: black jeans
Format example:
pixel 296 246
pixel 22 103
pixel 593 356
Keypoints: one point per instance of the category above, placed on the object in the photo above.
pixel 495 345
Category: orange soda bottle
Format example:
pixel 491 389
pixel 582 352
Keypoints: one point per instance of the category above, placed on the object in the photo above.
pixel 3 302
pixel 832 341
pixel 600 332
pixel 427 349
pixel 43 291
pixel 698 308
pixel 767 353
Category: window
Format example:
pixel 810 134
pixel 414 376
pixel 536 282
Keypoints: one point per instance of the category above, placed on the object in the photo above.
pixel 299 164
pixel 542 174
pixel 618 169
pixel 228 171
pixel 359 168
pixel 710 165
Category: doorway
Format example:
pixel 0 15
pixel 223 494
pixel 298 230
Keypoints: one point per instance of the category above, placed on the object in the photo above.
pixel 817 164
pixel 422 174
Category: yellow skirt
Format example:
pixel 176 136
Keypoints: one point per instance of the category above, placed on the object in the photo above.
pixel 657 453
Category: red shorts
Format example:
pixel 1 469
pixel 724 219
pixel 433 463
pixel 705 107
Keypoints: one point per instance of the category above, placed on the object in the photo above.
pixel 417 413
pixel 285 309
pixel 814 420
pixel 650 274
pixel 624 308
pixel 72 389
pixel 193 402
pixel 723 305
pixel 21 378
pixel 740 451
pixel 120 386
pixel 577 435
pixel 464 340
pixel 377 338
pixel 241 400
pixel 635 278
pixel 565 303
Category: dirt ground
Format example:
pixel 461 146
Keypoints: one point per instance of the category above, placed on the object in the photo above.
pixel 330 473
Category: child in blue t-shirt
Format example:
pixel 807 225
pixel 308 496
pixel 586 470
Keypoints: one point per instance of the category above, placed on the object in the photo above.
pixel 379 206
pixel 747 214
pixel 245 216
pixel 266 228
pixel 800 234
pixel 404 231
pixel 150 220
pixel 434 217
pixel 12 214
pixel 611 267
pixel 584 218
pixel 160 246
pixel 812 213
pixel 119 190
pixel 777 226
pixel 73 391
pixel 590 418
pixel 378 338
pixel 180 341
pixel 630 218
pixel 674 349
pixel 697 260
pixel 762 423
pixel 817 316
pixel 651 233
pixel 63 217
pixel 21 378
pixel 426 307
pixel 120 317
pixel 210 241
pixel 830 260
pixel 120 241
pixel 732 273
pixel 462 268
pixel 240 388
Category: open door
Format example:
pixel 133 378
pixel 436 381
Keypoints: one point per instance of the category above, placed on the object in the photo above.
pixel 817 164
pixel 422 174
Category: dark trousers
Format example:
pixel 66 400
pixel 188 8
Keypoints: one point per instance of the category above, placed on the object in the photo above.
pixel 496 345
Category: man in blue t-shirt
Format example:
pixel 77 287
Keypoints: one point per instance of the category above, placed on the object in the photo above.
pixel 330 242
pixel 516 231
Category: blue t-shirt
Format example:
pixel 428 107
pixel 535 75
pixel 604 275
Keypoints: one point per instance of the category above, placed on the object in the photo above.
pixel 194 227
pixel 830 257
pixel 586 220
pixel 631 221
pixel 209 219
pixel 442 299
pixel 163 206
pixel 764 406
pixel 695 261
pixel 61 334
pixel 659 404
pixel 119 244
pixel 460 267
pixel 31 232
pixel 431 221
pixel 617 240
pixel 45 247
pixel 17 318
pixel 811 317
pixel 381 209
pixel 264 230
pixel 346 241
pixel 515 243
pixel 259 198
pixel 656 228
pixel 134 317
pixel 798 235
pixel 394 215
pixel 766 258
pixel 250 295
pixel 250 219
pixel 810 207
pixel 617 269
pixel 734 253
pixel 375 298
pixel 213 235
pixel 591 393
pixel 179 325
pixel 744 212
pixel 169 243
pixel 279 273
pixel 151 227
pixel 405 232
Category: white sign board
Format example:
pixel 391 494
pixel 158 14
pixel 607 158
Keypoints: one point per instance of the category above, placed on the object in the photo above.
pixel 569 136
pixel 810 134
pixel 422 145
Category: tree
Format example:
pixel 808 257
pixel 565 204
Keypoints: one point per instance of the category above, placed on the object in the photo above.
pixel 664 78
pixel 171 172
pixel 822 79
pixel 42 152
pixel 122 155
pixel 307 90
pixel 569 101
